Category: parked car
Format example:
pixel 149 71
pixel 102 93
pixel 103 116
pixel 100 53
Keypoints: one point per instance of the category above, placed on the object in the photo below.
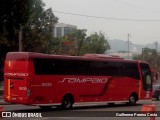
pixel 156 91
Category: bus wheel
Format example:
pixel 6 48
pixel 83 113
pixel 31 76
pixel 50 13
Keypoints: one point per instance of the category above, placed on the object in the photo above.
pixel 45 107
pixel 67 102
pixel 132 100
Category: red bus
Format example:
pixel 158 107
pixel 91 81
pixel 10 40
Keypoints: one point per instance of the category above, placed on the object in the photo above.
pixel 60 80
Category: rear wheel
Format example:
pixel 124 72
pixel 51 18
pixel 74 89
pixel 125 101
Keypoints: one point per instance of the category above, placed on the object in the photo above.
pixel 67 102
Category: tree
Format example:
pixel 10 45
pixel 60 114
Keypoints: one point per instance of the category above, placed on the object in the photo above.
pixel 14 13
pixel 151 56
pixel 96 43
pixel 29 18
pixel 38 34
pixel 76 37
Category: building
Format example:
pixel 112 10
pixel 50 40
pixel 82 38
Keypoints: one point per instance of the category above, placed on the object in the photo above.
pixel 62 29
pixel 124 54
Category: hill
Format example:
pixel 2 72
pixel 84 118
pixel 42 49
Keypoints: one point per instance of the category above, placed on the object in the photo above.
pixel 121 45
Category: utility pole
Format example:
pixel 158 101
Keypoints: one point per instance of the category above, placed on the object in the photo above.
pixel 128 44
pixel 156 44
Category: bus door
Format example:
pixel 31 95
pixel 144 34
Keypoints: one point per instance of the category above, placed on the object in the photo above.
pixel 146 82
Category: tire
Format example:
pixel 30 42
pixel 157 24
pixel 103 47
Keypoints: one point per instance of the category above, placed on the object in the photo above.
pixel 132 100
pixel 67 102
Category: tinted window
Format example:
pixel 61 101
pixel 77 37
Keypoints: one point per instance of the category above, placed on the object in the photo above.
pixel 144 66
pixel 130 70
pixel 83 67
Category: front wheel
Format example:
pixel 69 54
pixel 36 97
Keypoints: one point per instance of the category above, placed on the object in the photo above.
pixel 132 100
pixel 67 102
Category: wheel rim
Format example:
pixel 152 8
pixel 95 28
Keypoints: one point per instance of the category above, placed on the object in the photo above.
pixel 132 100
pixel 67 103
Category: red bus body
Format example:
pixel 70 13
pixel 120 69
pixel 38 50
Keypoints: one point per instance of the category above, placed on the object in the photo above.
pixel 45 80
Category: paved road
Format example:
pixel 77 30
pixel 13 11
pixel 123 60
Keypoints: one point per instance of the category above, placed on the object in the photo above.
pixel 100 112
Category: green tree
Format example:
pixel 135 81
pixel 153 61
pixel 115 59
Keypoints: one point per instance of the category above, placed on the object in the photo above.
pixel 151 56
pixel 38 32
pixel 96 43
pixel 77 36
pixel 14 14
pixel 29 18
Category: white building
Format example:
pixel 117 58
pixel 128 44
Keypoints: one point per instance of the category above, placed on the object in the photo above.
pixel 62 29
pixel 123 54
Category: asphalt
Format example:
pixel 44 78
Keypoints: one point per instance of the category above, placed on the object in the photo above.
pixel 2 102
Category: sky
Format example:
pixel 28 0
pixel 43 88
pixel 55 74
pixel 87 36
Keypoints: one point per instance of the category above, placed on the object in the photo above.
pixel 115 18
